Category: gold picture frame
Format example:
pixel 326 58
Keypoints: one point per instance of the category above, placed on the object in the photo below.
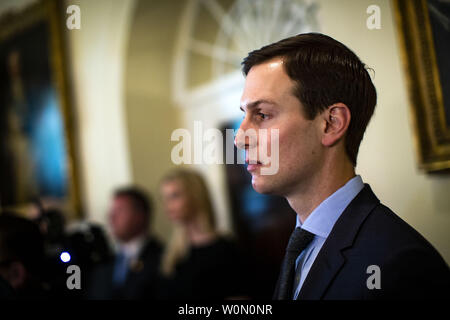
pixel 51 14
pixel 424 74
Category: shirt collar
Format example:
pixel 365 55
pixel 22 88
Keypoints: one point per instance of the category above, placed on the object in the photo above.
pixel 132 248
pixel 324 216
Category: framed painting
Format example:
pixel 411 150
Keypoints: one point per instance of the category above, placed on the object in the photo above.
pixel 424 32
pixel 37 158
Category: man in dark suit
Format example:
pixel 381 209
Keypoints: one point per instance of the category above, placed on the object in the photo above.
pixel 315 98
pixel 133 271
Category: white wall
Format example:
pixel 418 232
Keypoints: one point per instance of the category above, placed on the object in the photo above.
pixel 97 55
pixel 150 114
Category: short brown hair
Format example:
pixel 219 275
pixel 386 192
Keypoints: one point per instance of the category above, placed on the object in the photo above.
pixel 326 72
pixel 139 198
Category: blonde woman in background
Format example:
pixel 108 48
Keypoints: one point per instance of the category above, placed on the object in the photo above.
pixel 198 262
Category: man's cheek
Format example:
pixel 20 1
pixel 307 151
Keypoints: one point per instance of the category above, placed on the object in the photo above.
pixel 270 156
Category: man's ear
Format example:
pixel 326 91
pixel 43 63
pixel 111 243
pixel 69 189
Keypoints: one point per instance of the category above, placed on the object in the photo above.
pixel 336 119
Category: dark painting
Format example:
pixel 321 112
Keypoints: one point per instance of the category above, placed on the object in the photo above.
pixel 32 142
pixel 439 12
pixel 424 33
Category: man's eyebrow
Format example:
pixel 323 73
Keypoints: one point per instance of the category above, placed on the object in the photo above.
pixel 254 104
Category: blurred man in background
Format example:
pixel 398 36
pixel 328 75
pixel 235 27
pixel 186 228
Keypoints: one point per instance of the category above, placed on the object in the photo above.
pixel 132 273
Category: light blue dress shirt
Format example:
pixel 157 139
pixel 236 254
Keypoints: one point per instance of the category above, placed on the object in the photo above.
pixel 320 222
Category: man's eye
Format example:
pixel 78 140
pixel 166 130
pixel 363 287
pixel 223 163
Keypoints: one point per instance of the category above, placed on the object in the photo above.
pixel 262 115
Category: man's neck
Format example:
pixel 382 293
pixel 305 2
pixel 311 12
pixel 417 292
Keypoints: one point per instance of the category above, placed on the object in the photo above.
pixel 134 245
pixel 320 187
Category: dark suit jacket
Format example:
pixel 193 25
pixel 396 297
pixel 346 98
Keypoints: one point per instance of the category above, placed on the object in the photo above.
pixel 141 279
pixel 368 233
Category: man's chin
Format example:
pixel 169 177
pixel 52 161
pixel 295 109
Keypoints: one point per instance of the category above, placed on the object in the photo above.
pixel 262 184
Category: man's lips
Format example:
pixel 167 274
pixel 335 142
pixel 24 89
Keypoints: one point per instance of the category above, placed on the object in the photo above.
pixel 253 167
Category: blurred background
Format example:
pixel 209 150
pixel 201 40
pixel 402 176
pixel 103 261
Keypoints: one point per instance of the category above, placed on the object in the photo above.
pixel 137 70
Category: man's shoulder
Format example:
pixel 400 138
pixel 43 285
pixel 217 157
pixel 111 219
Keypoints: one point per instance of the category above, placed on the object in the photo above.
pixel 387 230
pixel 410 265
pixel 370 236
pixel 368 222
pixel 389 240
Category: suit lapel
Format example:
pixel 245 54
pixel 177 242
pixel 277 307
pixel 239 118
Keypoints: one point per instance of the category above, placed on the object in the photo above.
pixel 330 259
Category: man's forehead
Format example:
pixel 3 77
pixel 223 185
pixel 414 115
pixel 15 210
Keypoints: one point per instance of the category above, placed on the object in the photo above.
pixel 122 199
pixel 266 83
pixel 270 68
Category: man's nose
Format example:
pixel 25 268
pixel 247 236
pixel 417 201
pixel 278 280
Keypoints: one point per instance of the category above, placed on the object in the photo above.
pixel 240 142
pixel 242 139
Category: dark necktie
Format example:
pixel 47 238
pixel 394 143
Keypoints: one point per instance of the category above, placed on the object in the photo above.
pixel 120 269
pixel 298 241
